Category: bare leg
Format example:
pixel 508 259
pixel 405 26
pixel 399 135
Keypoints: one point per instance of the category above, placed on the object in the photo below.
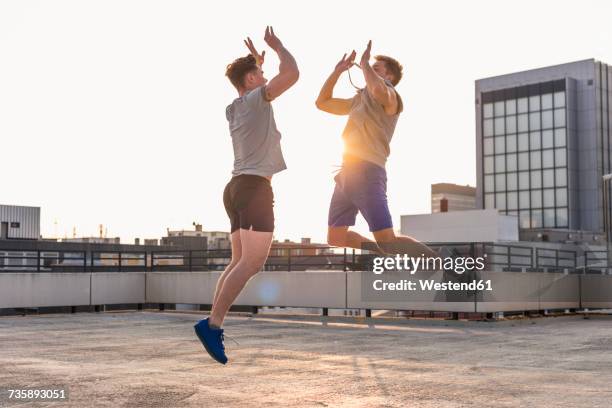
pixel 255 248
pixel 236 253
pixel 412 246
pixel 342 237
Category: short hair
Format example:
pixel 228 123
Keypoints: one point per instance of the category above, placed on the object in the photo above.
pixel 237 70
pixel 393 66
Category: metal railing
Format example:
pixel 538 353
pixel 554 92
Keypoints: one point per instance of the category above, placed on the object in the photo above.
pixel 498 257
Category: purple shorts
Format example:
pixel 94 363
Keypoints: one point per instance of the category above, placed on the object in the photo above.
pixel 361 186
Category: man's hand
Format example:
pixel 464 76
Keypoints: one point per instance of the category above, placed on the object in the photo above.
pixel 345 63
pixel 259 59
pixel 272 40
pixel 365 57
pixel 376 85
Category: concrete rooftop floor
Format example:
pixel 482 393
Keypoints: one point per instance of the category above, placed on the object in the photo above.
pixel 153 359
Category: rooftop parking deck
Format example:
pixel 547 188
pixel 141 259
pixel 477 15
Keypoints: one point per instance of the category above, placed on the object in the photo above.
pixel 151 359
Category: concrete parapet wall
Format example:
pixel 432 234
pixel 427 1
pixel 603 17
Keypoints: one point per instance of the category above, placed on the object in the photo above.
pixel 109 288
pixel 44 289
pixel 512 291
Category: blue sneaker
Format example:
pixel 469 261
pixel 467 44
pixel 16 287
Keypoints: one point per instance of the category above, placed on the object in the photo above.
pixel 212 339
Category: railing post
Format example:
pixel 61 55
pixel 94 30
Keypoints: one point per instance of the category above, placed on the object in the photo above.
pixel 152 264
pixel 38 261
pixel 344 265
pixel 288 259
pixel 91 261
pixel 85 261
pixel 508 254
pixel 119 252
pixel 145 260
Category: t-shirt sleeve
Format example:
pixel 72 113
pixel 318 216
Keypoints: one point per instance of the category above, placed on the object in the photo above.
pixel 257 98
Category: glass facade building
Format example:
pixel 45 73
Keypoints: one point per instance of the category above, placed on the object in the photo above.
pixel 543 144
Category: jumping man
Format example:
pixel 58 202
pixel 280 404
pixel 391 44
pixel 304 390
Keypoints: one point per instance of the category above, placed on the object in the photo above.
pixel 248 197
pixel 361 184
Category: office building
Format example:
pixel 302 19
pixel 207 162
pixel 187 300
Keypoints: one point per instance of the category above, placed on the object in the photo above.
pixel 543 145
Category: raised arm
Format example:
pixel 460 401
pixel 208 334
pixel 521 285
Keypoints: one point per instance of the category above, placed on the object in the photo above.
pixel 326 101
pixel 375 84
pixel 288 72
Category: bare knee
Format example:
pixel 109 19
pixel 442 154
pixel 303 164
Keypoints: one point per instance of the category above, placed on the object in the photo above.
pixel 252 264
pixel 336 237
pixel 233 262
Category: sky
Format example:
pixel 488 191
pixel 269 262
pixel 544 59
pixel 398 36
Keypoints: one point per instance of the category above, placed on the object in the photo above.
pixel 113 112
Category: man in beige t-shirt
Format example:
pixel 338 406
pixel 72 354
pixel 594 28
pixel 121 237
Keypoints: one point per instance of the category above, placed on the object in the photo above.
pixel 361 185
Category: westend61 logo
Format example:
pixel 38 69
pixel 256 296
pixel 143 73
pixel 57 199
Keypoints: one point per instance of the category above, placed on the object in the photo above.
pixel 413 264
pixel 452 280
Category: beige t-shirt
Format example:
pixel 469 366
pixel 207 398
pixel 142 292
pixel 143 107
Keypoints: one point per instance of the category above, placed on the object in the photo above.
pixel 369 129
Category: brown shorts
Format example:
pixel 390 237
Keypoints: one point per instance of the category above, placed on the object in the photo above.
pixel 249 203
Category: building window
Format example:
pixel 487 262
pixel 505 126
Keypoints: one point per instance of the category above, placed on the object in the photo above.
pixel 547 101
pixel 511 124
pixel 488 146
pixel 535 162
pixel 536 218
pixel 548 159
pixel 499 108
pixel 547 139
pixel 523 123
pixel 560 137
pixel 562 216
pixel 534 120
pixel 534 103
pixel 561 197
pixel 500 163
pixel 500 129
pixel 535 140
pixel 559 117
pixel 559 99
pixel 511 143
pixel 487 110
pixel 547 119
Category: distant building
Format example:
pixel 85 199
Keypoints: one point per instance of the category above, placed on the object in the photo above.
pixel 19 222
pixel 93 240
pixel 303 248
pixel 198 238
pixel 447 197
pixel 151 241
pixel 194 239
pixel 543 153
pixel 218 239
pixel 302 256
pixel 464 226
